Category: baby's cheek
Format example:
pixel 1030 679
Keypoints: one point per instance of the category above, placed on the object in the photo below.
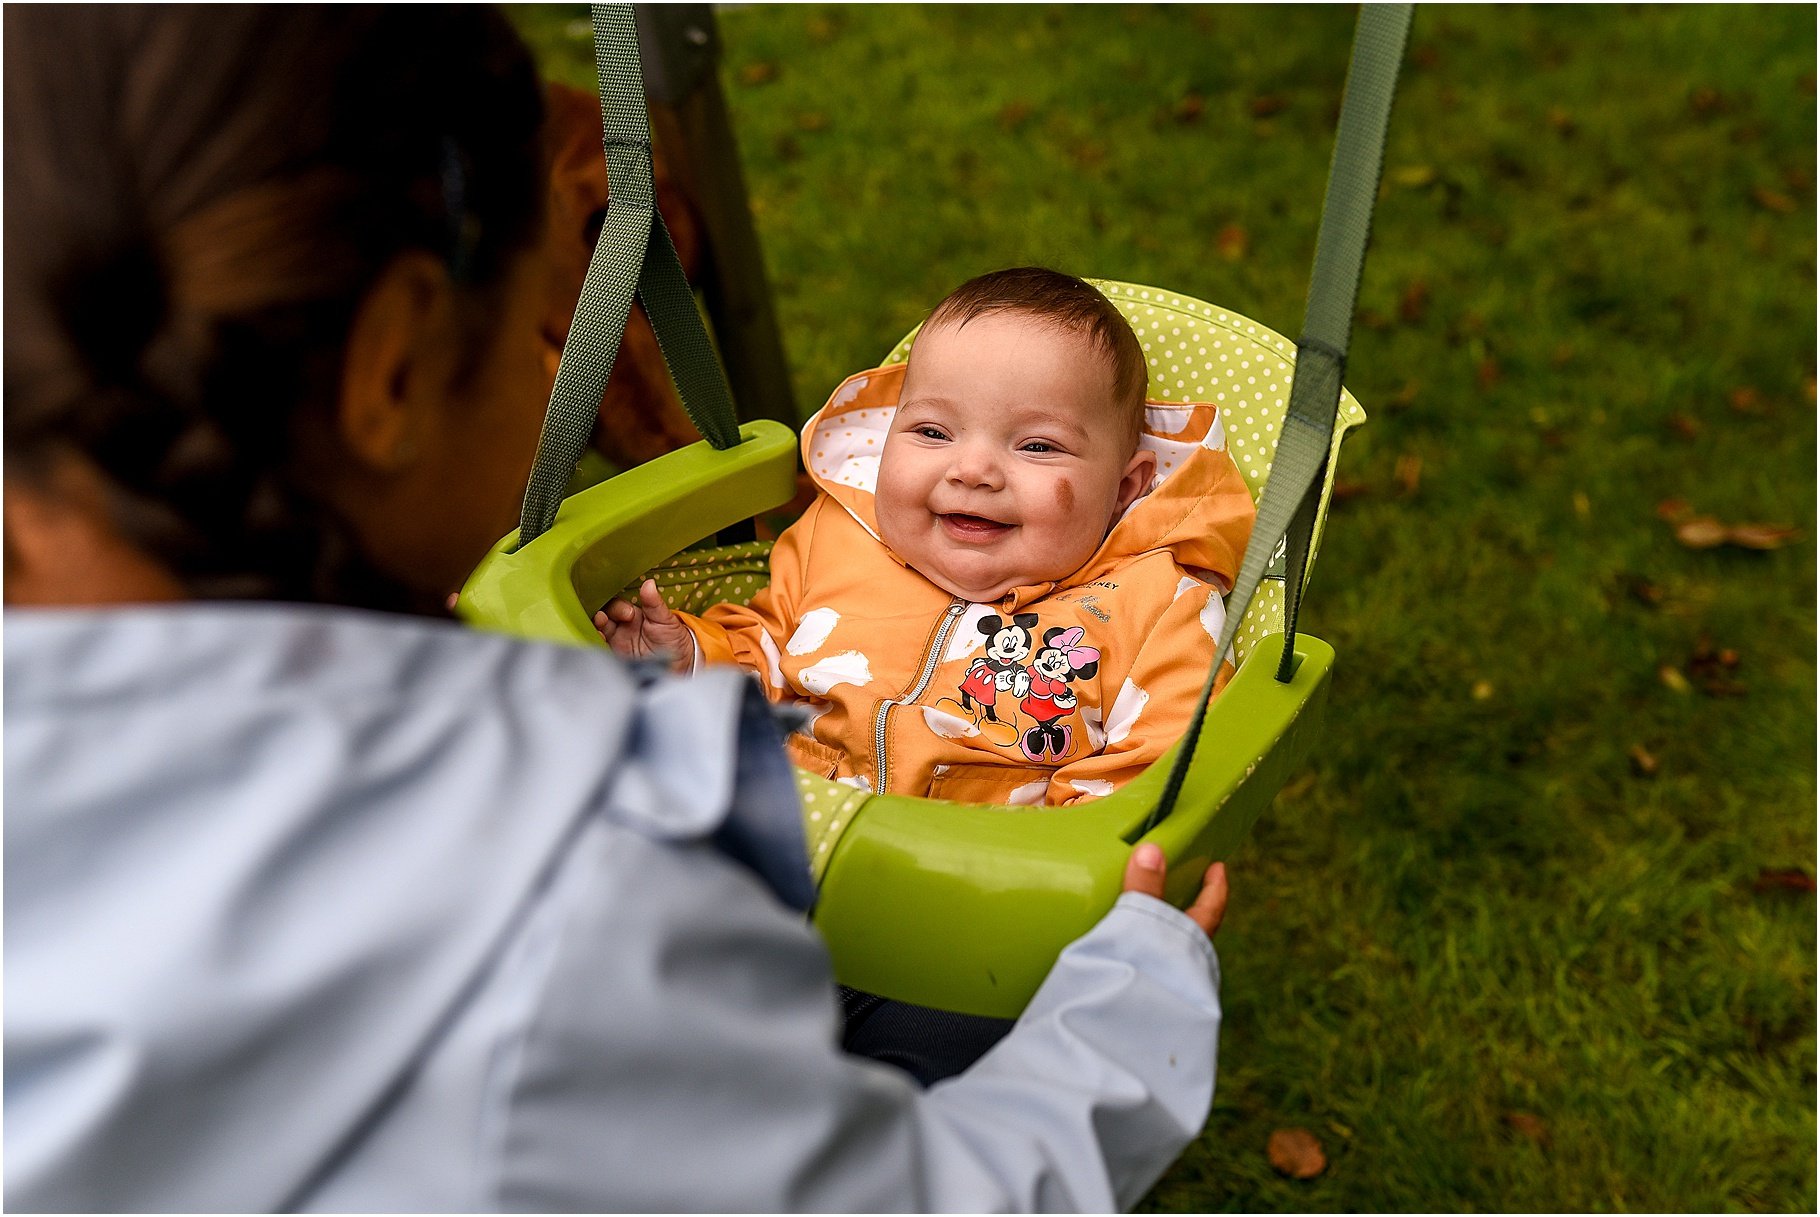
pixel 1064 495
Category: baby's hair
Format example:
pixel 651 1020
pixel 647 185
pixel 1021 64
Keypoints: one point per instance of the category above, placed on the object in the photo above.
pixel 197 200
pixel 1068 303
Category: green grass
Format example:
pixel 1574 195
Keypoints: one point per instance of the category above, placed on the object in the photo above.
pixel 1472 905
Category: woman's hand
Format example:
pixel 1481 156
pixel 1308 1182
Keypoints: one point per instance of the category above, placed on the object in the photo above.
pixel 1144 873
pixel 647 628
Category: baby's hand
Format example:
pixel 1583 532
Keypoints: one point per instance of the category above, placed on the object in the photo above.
pixel 646 628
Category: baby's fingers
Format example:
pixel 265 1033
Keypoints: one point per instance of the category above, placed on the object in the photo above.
pixel 652 601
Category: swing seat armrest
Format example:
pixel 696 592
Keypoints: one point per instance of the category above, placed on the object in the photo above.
pixel 607 535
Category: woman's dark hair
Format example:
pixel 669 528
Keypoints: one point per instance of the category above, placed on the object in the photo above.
pixel 197 200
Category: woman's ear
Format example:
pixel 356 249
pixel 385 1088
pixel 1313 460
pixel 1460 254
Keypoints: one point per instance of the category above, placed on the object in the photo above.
pixel 397 364
pixel 1140 470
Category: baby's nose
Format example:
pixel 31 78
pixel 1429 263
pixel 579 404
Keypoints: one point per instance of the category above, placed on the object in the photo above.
pixel 976 465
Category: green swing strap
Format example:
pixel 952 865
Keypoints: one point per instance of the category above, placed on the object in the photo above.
pixel 634 254
pixel 1287 508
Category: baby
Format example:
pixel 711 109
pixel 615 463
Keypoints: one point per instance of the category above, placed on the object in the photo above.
pixel 1008 589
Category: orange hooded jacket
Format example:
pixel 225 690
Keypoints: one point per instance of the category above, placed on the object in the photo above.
pixel 1055 693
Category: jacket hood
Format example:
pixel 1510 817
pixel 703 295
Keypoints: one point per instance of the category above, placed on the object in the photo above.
pixel 1198 507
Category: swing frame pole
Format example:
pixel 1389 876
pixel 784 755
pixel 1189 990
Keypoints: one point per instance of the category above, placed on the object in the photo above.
pixel 679 48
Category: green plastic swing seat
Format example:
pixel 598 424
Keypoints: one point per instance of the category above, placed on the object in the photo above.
pixel 942 904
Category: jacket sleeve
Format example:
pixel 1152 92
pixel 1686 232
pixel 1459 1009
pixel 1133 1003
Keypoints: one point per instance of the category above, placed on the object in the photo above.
pixel 1150 708
pixel 683 1057
pixel 752 635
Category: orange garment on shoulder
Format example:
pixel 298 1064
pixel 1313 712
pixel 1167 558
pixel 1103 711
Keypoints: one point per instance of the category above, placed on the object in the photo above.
pixel 1055 693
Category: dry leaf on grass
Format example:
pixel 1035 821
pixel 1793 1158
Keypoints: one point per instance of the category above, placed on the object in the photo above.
pixel 1704 532
pixel 1190 108
pixel 1772 200
pixel 1012 114
pixel 1673 509
pixel 1268 104
pixel 1671 677
pixel 1684 426
pixel 1414 302
pixel 1763 536
pixel 1530 1128
pixel 1745 400
pixel 1701 532
pixel 759 73
pixel 1783 878
pixel 1408 472
pixel 1296 1152
pixel 1643 762
pixel 1346 488
pixel 1231 242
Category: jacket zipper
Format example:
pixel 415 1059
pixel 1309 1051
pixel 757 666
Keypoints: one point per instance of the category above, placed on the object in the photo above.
pixel 922 682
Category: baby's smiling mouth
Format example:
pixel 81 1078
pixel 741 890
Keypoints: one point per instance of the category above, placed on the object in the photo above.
pixel 971 528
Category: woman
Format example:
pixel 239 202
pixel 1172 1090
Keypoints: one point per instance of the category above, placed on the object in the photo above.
pixel 316 907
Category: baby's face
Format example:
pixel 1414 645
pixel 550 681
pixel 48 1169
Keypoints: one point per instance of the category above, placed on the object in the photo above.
pixel 1007 461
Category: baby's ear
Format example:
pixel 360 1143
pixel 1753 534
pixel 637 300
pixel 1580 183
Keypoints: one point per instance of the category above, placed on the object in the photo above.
pixel 1140 471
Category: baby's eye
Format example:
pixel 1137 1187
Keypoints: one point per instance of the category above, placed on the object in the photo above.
pixel 928 432
pixel 1037 445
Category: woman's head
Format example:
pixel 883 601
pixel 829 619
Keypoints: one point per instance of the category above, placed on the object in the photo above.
pixel 264 266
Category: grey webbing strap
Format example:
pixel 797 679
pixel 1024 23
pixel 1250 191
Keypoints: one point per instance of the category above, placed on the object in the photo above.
pixel 1287 508
pixel 633 256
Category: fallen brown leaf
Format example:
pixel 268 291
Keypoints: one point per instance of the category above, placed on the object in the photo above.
pixel 1762 536
pixel 1643 762
pixel 1772 200
pixel 1231 242
pixel 1701 532
pixel 1347 488
pixel 1640 589
pixel 1267 104
pixel 1673 509
pixel 1414 302
pixel 1684 426
pixel 1296 1152
pixel 1530 1128
pixel 1371 319
pixel 1427 57
pixel 1190 108
pixel 1745 400
pixel 759 72
pixel 1784 878
pixel 1012 114
pixel 1408 472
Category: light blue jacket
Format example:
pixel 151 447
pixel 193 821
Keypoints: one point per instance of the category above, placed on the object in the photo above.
pixel 321 909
